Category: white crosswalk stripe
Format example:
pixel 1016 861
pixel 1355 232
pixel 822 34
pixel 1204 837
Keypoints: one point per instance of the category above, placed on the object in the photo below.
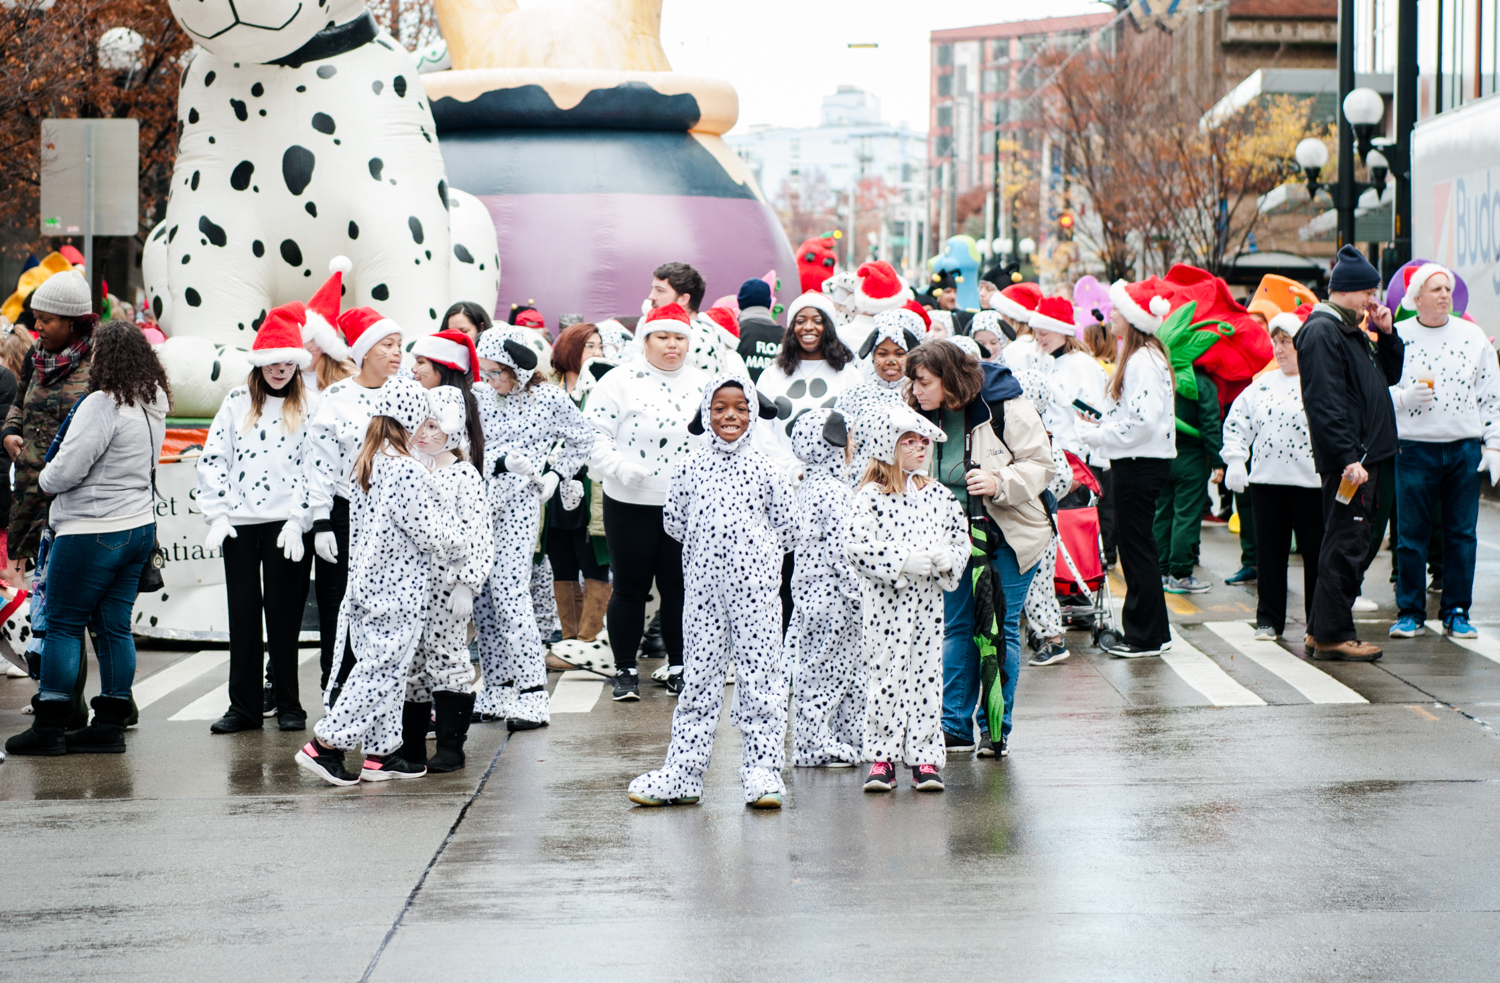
pixel 1316 685
pixel 211 705
pixel 159 684
pixel 1483 645
pixel 576 692
pixel 1204 675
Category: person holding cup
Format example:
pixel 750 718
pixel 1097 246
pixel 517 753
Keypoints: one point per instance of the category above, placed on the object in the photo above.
pixel 1352 423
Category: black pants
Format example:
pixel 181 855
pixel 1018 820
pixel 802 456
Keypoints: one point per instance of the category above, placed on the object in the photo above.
pixel 330 580
pixel 640 551
pixel 259 579
pixel 1135 485
pixel 572 552
pixel 1106 511
pixel 1279 511
pixel 1346 542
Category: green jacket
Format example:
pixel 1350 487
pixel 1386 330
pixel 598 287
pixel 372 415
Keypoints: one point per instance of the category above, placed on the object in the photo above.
pixel 36 417
pixel 1200 421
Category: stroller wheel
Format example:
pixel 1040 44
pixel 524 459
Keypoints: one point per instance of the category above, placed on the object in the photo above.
pixel 1106 638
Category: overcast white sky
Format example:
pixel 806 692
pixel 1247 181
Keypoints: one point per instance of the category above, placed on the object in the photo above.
pixel 783 56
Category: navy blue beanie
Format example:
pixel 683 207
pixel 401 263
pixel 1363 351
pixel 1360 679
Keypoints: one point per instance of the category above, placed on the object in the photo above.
pixel 1352 273
pixel 755 293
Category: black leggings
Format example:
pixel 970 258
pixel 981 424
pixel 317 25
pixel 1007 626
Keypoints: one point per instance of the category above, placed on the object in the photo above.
pixel 257 579
pixel 1137 482
pixel 641 551
pixel 572 553
pixel 1281 510
pixel 329 582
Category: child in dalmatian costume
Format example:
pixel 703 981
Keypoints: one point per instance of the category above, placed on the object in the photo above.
pixel 440 671
pixel 883 355
pixel 522 422
pixel 822 642
pixel 908 541
pixel 398 528
pixel 732 509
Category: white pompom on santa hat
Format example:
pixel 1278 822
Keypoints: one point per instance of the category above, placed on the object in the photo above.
pixel 279 338
pixel 323 312
pixel 453 349
pixel 878 287
pixel 1417 277
pixel 1144 304
pixel 363 328
pixel 1054 314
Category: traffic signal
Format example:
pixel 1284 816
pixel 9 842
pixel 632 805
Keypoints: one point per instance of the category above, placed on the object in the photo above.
pixel 1065 224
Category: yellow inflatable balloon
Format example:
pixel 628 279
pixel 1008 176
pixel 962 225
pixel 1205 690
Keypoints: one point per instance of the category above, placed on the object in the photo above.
pixel 30 280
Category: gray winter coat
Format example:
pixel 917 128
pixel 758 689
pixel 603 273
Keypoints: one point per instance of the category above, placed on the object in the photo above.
pixel 102 470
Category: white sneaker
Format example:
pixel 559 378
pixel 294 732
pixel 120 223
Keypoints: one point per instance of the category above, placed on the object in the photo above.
pixel 1364 604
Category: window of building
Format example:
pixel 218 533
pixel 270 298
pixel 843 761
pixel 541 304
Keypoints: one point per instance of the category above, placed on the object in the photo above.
pixel 995 80
pixel 1000 50
pixel 1031 44
pixel 943 54
pixel 945 85
pixel 944 116
pixel 942 146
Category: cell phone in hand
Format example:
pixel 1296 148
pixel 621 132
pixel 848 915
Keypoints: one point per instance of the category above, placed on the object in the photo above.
pixel 1086 409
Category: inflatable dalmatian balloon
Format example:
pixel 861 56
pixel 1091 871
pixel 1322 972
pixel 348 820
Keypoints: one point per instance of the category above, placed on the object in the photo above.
pixel 305 134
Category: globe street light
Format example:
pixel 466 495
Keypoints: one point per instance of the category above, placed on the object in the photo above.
pixel 1312 157
pixel 1364 109
pixel 1028 246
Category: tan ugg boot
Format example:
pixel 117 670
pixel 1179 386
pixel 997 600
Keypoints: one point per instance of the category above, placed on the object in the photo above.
pixel 569 597
pixel 596 594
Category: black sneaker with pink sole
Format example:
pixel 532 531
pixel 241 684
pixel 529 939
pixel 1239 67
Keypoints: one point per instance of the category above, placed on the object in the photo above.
pixel 326 763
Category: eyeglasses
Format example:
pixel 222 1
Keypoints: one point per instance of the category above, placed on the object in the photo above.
pixel 917 442
pixel 492 375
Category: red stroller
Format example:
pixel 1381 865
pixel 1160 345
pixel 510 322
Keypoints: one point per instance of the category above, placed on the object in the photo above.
pixel 1079 572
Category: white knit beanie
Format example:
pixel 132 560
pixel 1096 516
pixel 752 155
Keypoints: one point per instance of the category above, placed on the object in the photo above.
pixel 65 294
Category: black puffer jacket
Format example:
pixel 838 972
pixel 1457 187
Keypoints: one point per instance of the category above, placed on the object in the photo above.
pixel 1345 382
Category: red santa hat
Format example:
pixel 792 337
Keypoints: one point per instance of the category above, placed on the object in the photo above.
pixel 878 288
pixel 724 318
pixel 1417 277
pixel 919 311
pixel 667 317
pixel 1054 314
pixel 279 338
pixel 1017 301
pixel 453 349
pixel 1143 304
pixel 363 328
pixel 323 312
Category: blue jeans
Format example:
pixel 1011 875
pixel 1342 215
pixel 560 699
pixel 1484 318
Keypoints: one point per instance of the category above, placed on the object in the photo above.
pixel 92 579
pixel 1428 472
pixel 961 655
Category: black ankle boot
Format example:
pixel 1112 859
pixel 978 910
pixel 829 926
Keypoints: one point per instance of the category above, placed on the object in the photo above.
pixel 414 720
pixel 45 738
pixel 106 735
pixel 454 711
pixel 652 646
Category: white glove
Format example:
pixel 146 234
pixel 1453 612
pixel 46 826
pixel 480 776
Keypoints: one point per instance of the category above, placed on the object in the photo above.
pixel 517 464
pixel 942 560
pixel 1414 397
pixel 461 602
pixel 918 564
pixel 1490 462
pixel 289 540
pixel 326 545
pixel 632 475
pixel 546 485
pixel 218 531
pixel 1088 432
pixel 572 494
pixel 1236 478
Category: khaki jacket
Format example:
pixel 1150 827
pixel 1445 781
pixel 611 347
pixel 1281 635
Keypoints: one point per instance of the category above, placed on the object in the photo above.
pixel 1022 464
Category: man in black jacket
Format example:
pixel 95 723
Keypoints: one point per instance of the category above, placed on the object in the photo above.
pixel 1352 423
pixel 760 335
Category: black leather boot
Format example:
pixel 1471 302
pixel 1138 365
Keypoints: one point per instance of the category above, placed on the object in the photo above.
pixel 106 735
pixel 45 738
pixel 454 711
pixel 414 720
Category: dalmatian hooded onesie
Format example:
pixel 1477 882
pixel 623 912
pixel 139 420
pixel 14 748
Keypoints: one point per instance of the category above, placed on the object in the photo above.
pixel 902 637
pixel 397 528
pixel 440 671
pixel 519 430
pixel 732 509
pixel 822 641
pixel 905 329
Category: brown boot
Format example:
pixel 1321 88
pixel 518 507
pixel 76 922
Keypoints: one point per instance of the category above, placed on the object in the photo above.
pixel 596 595
pixel 568 598
pixel 1351 651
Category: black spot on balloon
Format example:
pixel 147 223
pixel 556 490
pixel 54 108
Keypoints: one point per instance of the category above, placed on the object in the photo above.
pixel 191 296
pixel 327 71
pixel 262 112
pixel 258 248
pixel 212 140
pixel 443 193
pixel 297 168
pixel 171 233
pixel 429 253
pixel 353 231
pixel 240 112
pixel 291 252
pixel 415 225
pixel 663 442
pixel 194 182
pixel 213 376
pixel 209 79
pixel 301 88
pixel 239 178
pixel 212 232
pixel 797 389
pixel 463 254
pixel 399 84
pixel 817 388
pixel 380 292
pixel 186 258
pixel 257 90
pixel 376 166
pixel 307 272
pixel 377 85
pixel 323 123
pixel 255 324
pixel 431 314
pixel 156 305
pixel 192 115
pixel 159 233
pixel 312 209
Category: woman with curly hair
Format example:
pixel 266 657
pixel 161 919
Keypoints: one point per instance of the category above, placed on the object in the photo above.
pixel 105 527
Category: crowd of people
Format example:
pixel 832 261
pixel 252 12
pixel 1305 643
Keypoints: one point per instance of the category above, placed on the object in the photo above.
pixel 848 511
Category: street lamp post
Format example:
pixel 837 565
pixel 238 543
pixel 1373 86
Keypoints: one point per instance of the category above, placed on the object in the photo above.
pixel 1406 120
pixel 1344 197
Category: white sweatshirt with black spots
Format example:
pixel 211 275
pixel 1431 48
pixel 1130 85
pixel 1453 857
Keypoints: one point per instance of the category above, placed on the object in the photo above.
pixel 1267 425
pixel 1466 383
pixel 859 402
pixel 334 439
pixel 640 415
pixel 812 385
pixel 1143 421
pixel 256 473
pixel 1073 375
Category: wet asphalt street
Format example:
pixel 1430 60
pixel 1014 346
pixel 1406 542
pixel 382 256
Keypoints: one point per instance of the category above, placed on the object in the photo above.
pixel 1231 811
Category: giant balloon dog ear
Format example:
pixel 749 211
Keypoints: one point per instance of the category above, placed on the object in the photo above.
pixel 835 430
pixel 524 357
pixel 768 409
